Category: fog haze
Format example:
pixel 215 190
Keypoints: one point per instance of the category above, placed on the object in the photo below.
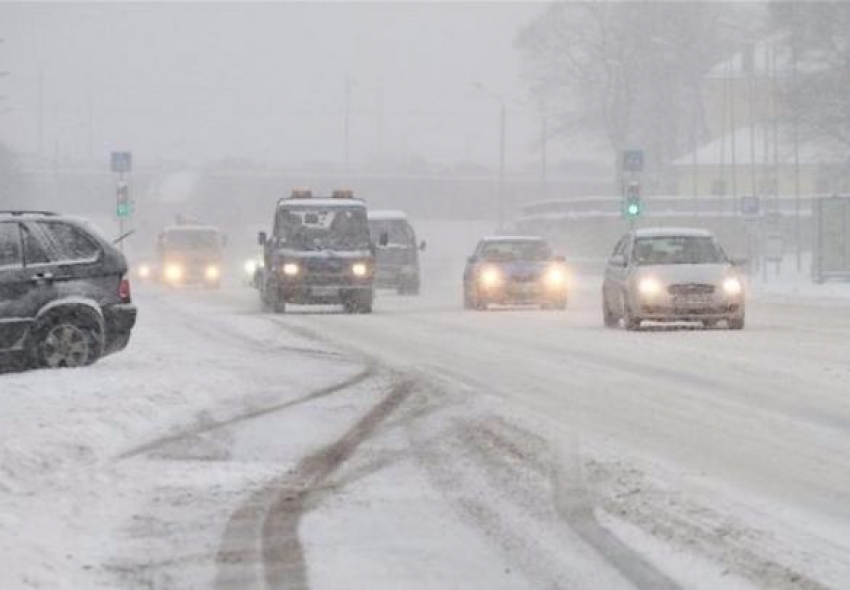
pixel 266 82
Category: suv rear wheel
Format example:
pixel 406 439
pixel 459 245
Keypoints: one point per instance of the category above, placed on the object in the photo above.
pixel 67 342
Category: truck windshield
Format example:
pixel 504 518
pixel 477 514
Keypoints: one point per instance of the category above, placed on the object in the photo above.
pixel 677 250
pixel 316 228
pixel 192 239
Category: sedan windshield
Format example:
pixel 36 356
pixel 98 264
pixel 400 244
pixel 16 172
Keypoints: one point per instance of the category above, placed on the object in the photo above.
pixel 516 250
pixel 677 250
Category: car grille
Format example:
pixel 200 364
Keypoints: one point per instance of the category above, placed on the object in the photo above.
pixel 525 278
pixel 691 289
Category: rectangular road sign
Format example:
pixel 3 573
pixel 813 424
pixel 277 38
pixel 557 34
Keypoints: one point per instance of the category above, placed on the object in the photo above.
pixel 750 205
pixel 122 162
pixel 633 160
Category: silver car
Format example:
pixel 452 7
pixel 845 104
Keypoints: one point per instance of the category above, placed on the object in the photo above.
pixel 672 275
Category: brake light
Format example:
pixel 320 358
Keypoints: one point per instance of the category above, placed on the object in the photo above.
pixel 124 290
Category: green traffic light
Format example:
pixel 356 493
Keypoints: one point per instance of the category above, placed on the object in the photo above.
pixel 123 210
pixel 633 209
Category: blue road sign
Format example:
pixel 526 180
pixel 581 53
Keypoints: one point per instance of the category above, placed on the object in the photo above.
pixel 122 162
pixel 633 160
pixel 750 205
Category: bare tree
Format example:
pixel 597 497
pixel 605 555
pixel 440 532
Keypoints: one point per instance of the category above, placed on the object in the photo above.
pixel 817 37
pixel 630 71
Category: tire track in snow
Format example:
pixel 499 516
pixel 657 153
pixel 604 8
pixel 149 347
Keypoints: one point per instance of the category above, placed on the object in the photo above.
pixel 271 517
pixel 210 426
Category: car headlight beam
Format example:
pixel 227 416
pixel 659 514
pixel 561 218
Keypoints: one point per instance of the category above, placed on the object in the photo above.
pixel 556 277
pixel 490 277
pixel 291 269
pixel 358 269
pixel 649 287
pixel 732 286
pixel 212 273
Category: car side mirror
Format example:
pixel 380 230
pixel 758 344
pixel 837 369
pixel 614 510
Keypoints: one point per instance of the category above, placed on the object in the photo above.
pixel 472 259
pixel 617 260
pixel 384 239
pixel 423 245
pixel 738 261
pixel 262 238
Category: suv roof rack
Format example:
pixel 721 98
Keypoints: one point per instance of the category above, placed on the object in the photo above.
pixel 21 212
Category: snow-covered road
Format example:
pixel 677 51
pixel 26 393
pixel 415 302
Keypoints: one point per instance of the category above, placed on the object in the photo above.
pixel 428 447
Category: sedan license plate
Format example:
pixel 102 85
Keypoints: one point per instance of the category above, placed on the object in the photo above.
pixel 691 301
pixel 324 291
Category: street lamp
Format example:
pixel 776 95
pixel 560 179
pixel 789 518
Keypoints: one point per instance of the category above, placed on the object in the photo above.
pixel 502 116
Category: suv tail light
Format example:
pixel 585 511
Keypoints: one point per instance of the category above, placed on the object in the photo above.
pixel 124 290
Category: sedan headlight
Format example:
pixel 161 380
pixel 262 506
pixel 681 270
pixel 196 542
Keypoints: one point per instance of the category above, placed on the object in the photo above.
pixel 291 269
pixel 732 286
pixel 490 277
pixel 212 273
pixel 144 271
pixel 173 272
pixel 649 287
pixel 358 269
pixel 556 278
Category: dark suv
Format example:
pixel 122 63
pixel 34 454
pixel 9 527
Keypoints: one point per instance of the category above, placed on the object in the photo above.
pixel 64 292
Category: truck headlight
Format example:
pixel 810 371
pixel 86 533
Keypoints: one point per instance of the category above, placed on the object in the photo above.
pixel 649 287
pixel 732 286
pixel 173 272
pixel 212 273
pixel 291 269
pixel 358 269
pixel 490 277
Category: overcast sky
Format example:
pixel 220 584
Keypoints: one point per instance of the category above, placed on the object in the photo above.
pixel 266 81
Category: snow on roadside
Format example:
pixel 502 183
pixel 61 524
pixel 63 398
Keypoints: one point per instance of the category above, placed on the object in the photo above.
pixel 62 430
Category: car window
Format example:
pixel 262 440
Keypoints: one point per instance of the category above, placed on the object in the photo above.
pixel 72 243
pixel 620 248
pixel 10 246
pixel 515 250
pixel 677 250
pixel 34 252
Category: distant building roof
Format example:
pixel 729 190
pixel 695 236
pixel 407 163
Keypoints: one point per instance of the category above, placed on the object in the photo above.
pixel 720 150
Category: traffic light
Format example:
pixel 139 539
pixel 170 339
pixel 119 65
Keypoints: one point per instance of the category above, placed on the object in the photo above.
pixel 123 207
pixel 634 204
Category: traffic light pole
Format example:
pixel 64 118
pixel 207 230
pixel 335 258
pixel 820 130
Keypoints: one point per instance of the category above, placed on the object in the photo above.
pixel 120 217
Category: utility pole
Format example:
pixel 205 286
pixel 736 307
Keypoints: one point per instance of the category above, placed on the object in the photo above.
pixel 544 145
pixel 349 83
pixel 500 195
pixel 40 139
pixel 502 117
pixel 798 240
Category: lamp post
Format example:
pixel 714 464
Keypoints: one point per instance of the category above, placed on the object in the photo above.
pixel 502 123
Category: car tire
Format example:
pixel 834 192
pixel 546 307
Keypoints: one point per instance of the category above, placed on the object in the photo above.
pixel 736 323
pixel 359 303
pixel 467 299
pixel 64 341
pixel 609 318
pixel 630 321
